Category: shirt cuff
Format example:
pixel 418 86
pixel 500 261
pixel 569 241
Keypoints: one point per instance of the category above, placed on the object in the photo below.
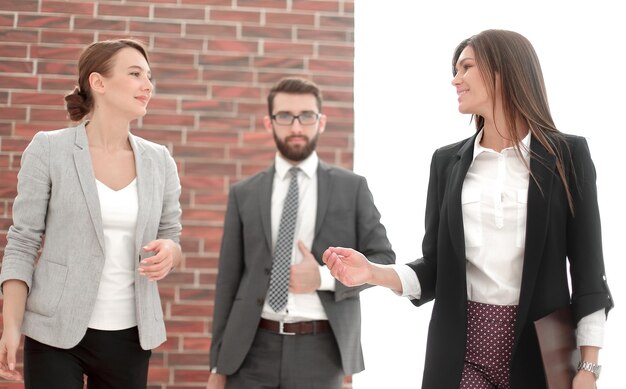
pixel 327 281
pixel 411 287
pixel 590 329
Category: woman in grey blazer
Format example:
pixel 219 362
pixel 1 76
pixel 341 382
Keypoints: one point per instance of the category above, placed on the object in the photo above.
pixel 107 203
pixel 507 210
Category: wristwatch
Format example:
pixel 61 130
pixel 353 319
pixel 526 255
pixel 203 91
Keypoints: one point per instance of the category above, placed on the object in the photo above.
pixel 590 367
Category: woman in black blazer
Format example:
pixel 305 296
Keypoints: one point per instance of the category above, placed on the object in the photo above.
pixel 507 209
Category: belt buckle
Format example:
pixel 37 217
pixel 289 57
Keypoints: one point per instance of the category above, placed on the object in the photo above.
pixel 281 329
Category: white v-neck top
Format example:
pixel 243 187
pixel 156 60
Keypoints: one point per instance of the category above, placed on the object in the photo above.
pixel 115 305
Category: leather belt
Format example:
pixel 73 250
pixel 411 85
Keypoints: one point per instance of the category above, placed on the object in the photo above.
pixel 299 328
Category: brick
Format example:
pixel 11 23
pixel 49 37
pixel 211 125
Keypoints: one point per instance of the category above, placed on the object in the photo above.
pixel 16 66
pixel 280 62
pixel 308 34
pixel 324 80
pixel 162 103
pixel 210 30
pixel 205 105
pixel 222 75
pixel 7 20
pixel 158 374
pixel 196 343
pixel 25 36
pixel 191 310
pixel 169 120
pixel 185 326
pixel 175 72
pixel 13 51
pixel 189 359
pixel 180 13
pixel 296 49
pixel 240 16
pixel 158 135
pixel 208 2
pixel 289 18
pixel 180 88
pixel 191 375
pixel 200 183
pixel 230 45
pixel 39 114
pixel 204 215
pixel 179 43
pixel 329 50
pixel 43 21
pixel 68 7
pixel 124 10
pixel 65 37
pixel 82 23
pixel 213 123
pixel 334 66
pixel 236 92
pixel 37 98
pixel 20 5
pixel 10 113
pixel 217 136
pixel 12 144
pixel 343 22
pixel 56 52
pixel 63 84
pixel 225 60
pixel 155 27
pixel 315 5
pixel 267 32
pixel 57 68
pixel 169 57
pixel 339 96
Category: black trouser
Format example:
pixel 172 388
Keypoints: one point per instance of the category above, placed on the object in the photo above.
pixel 109 359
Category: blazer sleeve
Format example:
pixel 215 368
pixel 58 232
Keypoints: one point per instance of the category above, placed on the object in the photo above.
pixel 590 291
pixel 30 207
pixel 229 273
pixel 372 238
pixel 426 267
pixel 169 225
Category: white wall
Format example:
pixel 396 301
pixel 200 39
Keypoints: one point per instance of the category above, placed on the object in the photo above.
pixel 405 108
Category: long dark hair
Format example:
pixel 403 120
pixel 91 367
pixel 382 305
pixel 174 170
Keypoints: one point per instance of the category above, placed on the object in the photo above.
pixel 523 92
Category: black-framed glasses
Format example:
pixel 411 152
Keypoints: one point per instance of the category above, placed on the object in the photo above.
pixel 287 119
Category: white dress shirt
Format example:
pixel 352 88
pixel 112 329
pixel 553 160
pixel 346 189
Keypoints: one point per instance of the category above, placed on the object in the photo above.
pixel 494 206
pixel 115 305
pixel 301 306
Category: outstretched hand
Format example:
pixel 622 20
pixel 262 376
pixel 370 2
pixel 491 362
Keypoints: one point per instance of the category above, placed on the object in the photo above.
pixel 348 266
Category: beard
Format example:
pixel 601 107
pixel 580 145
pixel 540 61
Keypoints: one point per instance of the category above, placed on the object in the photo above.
pixel 298 152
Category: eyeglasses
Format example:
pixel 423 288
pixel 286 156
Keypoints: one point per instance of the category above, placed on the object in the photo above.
pixel 287 119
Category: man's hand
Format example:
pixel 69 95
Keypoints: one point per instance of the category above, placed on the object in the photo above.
pixel 305 276
pixel 216 381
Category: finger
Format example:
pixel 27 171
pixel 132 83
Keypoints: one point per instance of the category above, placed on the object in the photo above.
pixel 154 245
pixel 341 251
pixel 303 248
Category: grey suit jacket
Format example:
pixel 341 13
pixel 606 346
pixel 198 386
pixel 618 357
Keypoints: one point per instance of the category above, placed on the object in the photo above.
pixel 57 198
pixel 346 216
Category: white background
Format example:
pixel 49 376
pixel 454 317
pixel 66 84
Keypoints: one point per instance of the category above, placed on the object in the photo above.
pixel 405 108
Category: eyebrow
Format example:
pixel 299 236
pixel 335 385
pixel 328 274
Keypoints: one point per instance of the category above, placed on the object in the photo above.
pixel 140 68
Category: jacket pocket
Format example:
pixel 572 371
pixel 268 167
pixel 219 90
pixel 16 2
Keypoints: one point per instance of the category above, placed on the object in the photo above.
pixel 47 288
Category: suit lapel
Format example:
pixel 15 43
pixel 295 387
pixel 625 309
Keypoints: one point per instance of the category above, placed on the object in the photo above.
pixel 542 166
pixel 455 185
pixel 84 168
pixel 265 203
pixel 145 188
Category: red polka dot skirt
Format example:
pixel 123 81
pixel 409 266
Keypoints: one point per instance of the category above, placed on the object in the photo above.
pixel 490 334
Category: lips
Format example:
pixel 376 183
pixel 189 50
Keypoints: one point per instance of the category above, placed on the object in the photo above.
pixel 143 99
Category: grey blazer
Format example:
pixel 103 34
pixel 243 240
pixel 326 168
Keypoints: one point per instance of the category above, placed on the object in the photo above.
pixel 346 216
pixel 57 198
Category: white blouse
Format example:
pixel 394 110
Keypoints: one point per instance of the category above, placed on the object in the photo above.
pixel 115 305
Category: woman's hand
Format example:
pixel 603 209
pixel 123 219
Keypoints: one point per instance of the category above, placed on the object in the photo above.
pixel 9 344
pixel 168 255
pixel 348 266
pixel 584 380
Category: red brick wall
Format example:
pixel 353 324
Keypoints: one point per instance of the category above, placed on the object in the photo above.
pixel 213 62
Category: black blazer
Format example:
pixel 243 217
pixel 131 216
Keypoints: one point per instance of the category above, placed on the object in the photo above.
pixel 553 236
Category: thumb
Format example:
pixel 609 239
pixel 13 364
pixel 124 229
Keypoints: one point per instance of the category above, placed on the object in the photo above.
pixel 152 246
pixel 306 253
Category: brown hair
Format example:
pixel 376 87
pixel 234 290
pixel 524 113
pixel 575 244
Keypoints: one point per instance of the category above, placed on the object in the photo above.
pixel 523 92
pixel 97 57
pixel 296 86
